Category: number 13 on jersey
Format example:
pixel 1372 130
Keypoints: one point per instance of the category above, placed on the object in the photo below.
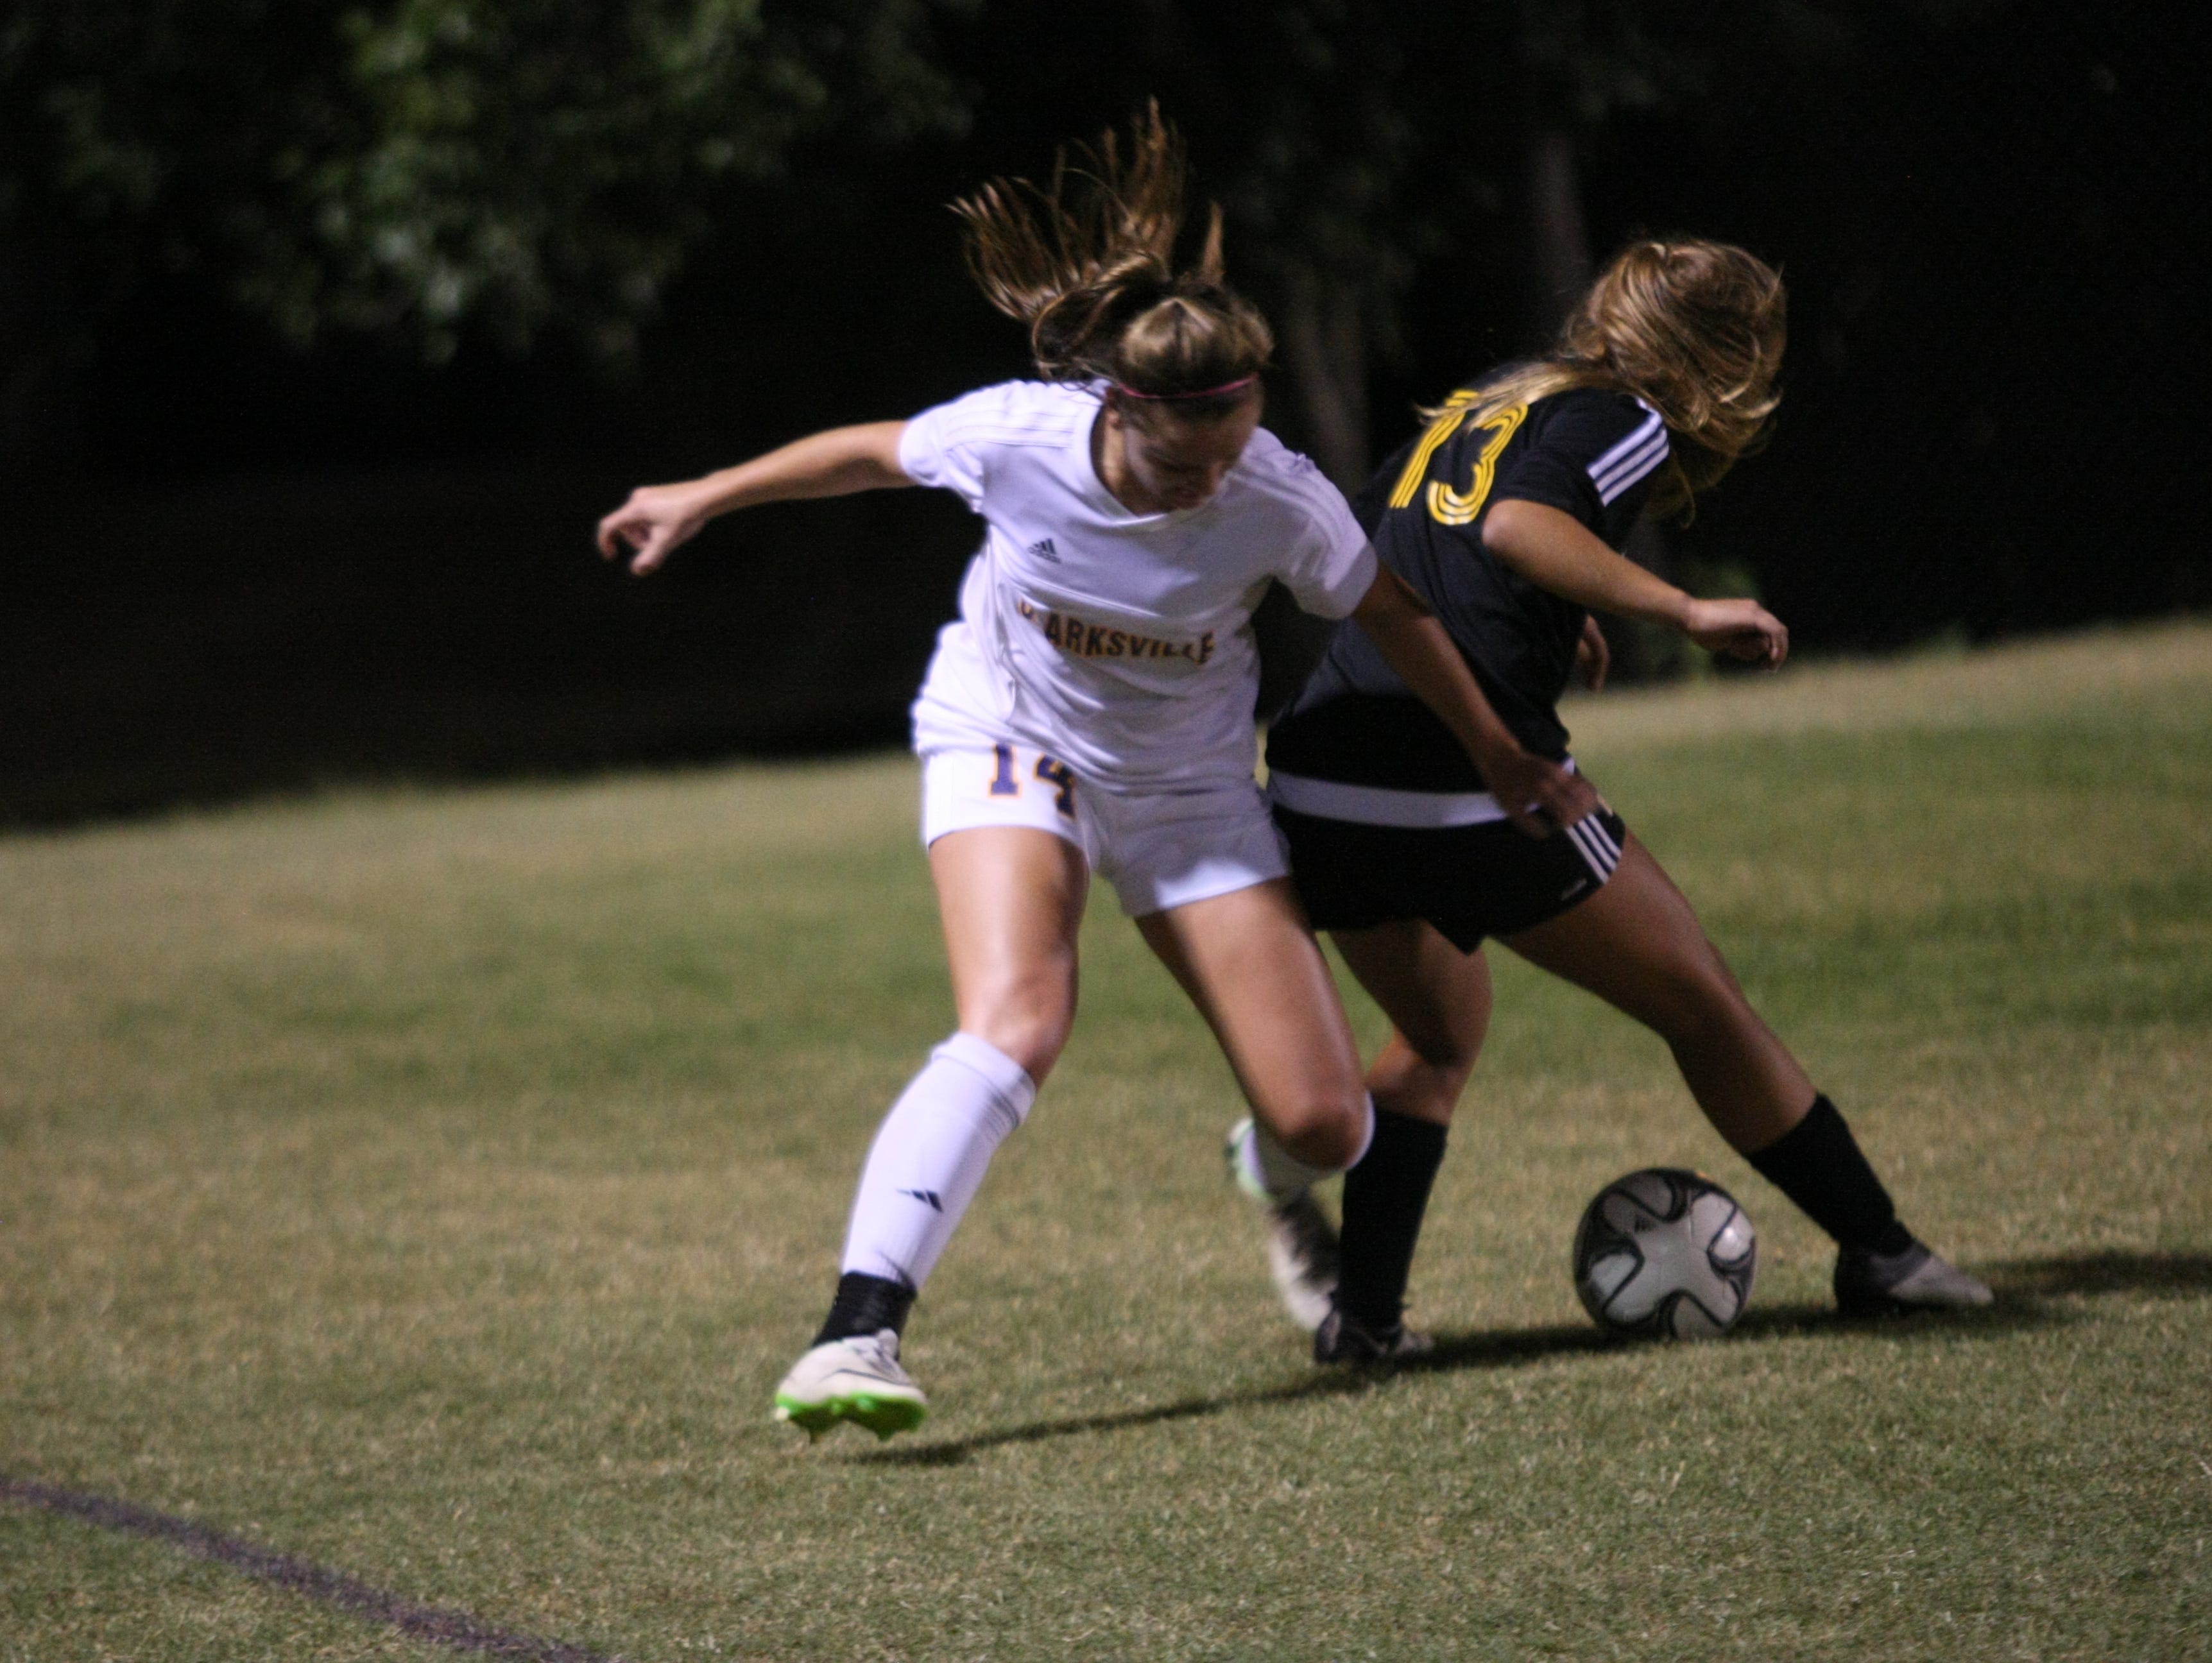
pixel 1447 505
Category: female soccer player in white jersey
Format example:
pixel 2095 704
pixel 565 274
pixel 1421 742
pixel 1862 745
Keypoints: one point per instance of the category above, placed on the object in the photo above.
pixel 1506 515
pixel 1090 710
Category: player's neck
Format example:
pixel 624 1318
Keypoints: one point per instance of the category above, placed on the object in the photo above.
pixel 1110 462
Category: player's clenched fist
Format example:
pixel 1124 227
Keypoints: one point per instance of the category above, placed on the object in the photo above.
pixel 655 521
pixel 1737 629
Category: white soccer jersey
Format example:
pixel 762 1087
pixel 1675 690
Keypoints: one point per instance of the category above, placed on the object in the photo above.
pixel 1120 643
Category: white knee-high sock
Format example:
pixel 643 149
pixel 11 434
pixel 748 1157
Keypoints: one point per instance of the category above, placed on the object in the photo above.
pixel 1267 1170
pixel 929 1157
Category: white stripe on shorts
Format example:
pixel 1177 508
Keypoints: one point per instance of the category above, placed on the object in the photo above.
pixel 1379 805
pixel 1599 851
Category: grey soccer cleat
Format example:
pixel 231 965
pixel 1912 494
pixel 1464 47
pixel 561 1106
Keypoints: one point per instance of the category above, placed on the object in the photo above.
pixel 1341 1339
pixel 1916 1279
pixel 857 1378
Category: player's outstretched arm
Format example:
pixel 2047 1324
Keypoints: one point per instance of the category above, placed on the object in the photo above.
pixel 1556 551
pixel 658 518
pixel 1535 792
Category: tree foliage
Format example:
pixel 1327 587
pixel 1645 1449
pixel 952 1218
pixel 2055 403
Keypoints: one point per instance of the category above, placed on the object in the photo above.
pixel 1355 144
pixel 419 169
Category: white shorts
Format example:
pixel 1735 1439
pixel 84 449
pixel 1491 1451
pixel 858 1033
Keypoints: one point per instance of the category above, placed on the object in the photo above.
pixel 1158 849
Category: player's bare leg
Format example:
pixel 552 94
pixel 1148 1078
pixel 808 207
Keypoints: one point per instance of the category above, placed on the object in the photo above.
pixel 1438 1002
pixel 1009 899
pixel 1251 966
pixel 1257 976
pixel 1637 945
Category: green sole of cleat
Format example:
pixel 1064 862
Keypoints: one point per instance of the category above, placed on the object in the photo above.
pixel 884 1416
pixel 811 1418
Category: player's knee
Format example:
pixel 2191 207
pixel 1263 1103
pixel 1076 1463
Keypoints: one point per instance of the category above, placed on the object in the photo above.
pixel 1415 1076
pixel 1697 1002
pixel 1028 1015
pixel 1326 1132
pixel 1448 1054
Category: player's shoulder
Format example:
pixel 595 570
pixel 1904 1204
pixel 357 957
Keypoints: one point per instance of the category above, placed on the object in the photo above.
pixel 1272 468
pixel 1018 412
pixel 1613 436
pixel 1599 415
pixel 1589 404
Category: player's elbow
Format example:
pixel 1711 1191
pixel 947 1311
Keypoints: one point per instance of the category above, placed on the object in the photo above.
pixel 869 456
pixel 1505 532
pixel 1389 603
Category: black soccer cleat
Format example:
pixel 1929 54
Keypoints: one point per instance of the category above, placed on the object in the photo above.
pixel 1341 1339
pixel 1918 1278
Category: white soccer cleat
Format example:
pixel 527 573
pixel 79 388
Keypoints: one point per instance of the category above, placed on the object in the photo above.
pixel 1242 1155
pixel 856 1378
pixel 1302 1257
pixel 1302 1250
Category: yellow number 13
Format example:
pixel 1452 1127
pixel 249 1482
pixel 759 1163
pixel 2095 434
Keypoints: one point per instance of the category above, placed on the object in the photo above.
pixel 1452 508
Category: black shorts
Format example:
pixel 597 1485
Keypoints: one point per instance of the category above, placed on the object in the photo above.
pixel 1469 881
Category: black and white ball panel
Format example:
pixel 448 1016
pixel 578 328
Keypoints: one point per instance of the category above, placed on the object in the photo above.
pixel 1665 1251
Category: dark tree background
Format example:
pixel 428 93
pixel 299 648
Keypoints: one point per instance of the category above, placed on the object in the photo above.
pixel 328 327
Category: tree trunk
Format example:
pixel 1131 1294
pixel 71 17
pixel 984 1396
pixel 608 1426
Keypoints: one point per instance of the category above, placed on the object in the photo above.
pixel 1324 341
pixel 1559 269
pixel 1325 349
pixel 1558 238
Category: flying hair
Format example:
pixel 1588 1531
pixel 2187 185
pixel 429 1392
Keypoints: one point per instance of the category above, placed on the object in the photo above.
pixel 1088 264
pixel 1694 329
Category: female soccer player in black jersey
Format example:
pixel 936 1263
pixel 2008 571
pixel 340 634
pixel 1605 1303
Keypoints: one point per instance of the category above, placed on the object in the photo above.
pixel 1506 515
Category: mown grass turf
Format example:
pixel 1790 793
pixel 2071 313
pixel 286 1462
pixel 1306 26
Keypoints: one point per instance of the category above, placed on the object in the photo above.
pixel 435 1187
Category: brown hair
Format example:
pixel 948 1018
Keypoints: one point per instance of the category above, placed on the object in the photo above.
pixel 1089 265
pixel 1695 330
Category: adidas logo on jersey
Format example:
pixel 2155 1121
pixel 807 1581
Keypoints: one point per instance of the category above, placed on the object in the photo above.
pixel 1042 549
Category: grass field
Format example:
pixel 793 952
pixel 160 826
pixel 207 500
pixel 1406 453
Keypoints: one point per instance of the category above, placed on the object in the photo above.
pixel 433 1188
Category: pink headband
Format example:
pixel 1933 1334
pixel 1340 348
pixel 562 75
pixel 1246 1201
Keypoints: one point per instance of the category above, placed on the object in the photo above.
pixel 1223 391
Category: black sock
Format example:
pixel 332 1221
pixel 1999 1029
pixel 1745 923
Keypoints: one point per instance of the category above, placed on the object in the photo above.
pixel 1817 1164
pixel 1384 1197
pixel 865 1305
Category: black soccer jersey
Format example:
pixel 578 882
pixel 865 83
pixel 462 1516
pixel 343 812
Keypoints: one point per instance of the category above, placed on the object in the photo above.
pixel 1590 453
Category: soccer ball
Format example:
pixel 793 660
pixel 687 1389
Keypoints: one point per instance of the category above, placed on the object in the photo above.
pixel 1665 1252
